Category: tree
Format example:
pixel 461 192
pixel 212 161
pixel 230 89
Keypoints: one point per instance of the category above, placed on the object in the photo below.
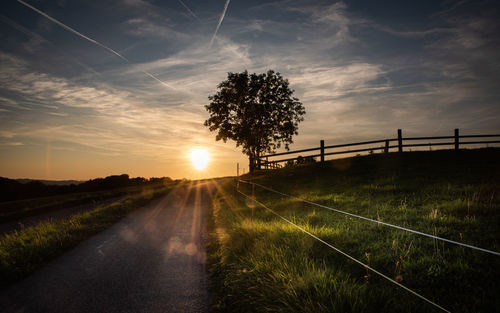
pixel 257 111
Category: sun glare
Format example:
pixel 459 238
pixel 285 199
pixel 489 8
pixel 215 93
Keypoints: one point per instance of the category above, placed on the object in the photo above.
pixel 199 158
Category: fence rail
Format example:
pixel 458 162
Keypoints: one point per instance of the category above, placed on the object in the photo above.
pixel 265 162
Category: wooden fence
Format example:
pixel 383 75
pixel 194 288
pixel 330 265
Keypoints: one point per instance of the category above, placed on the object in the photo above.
pixel 383 144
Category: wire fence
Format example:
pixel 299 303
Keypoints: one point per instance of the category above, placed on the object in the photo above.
pixel 376 221
pixel 345 254
pixel 254 200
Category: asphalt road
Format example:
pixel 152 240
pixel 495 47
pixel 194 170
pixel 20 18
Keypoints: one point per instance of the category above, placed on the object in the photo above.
pixel 151 261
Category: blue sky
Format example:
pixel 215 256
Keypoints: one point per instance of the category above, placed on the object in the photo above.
pixel 71 109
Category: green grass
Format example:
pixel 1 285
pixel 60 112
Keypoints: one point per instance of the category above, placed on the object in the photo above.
pixel 25 251
pixel 13 210
pixel 263 264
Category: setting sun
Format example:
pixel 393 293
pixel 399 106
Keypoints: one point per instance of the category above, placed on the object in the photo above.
pixel 199 158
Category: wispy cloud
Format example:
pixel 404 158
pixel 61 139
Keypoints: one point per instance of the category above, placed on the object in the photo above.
pixel 36 41
pixel 145 27
pixel 135 3
pixel 12 143
pixel 220 22
pixel 414 33
pixel 97 117
pixel 335 81
pixel 89 39
pixel 37 38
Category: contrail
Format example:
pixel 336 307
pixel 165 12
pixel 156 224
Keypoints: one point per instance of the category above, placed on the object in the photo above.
pixel 89 39
pixel 22 29
pixel 220 22
pixel 189 10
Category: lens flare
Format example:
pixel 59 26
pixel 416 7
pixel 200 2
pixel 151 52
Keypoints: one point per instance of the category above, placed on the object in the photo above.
pixel 199 158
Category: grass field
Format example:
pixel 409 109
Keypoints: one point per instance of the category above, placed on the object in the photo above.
pixel 263 264
pixel 13 210
pixel 23 252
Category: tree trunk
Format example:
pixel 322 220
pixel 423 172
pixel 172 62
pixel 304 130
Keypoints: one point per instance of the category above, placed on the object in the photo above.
pixel 254 160
pixel 250 163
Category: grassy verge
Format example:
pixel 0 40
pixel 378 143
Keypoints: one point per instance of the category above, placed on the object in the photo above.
pixel 23 252
pixel 13 210
pixel 263 264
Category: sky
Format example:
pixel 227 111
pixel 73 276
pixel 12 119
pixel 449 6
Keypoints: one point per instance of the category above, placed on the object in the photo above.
pixel 95 88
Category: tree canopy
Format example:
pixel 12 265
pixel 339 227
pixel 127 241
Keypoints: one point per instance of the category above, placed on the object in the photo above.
pixel 257 111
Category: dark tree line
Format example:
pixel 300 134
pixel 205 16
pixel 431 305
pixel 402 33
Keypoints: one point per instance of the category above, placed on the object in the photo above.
pixel 11 189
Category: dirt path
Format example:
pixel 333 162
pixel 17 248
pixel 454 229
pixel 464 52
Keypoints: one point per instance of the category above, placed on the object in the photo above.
pixel 151 261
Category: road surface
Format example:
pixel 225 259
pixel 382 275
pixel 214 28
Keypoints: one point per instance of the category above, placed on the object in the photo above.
pixel 151 261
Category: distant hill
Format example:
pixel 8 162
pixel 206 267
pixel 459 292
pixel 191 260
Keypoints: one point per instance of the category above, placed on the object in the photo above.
pixel 51 182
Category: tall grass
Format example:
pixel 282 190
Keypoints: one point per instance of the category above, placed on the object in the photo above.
pixel 25 251
pixel 260 263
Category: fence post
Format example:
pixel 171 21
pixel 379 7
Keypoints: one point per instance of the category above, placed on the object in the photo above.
pixel 322 145
pixel 386 149
pixel 267 163
pixel 456 139
pixel 400 141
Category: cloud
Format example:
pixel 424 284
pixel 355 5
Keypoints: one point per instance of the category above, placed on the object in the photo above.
pixel 413 33
pixel 102 118
pixel 71 29
pixel 135 3
pixel 330 23
pixel 58 114
pixel 194 71
pixel 143 27
pixel 12 143
pixel 473 32
pixel 35 40
pixel 336 81
pixel 89 39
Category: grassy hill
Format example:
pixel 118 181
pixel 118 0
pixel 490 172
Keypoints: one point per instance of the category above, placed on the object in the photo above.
pixel 265 264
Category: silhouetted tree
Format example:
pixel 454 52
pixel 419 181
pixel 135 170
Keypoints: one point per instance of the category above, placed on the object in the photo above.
pixel 11 189
pixel 257 111
pixel 160 180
